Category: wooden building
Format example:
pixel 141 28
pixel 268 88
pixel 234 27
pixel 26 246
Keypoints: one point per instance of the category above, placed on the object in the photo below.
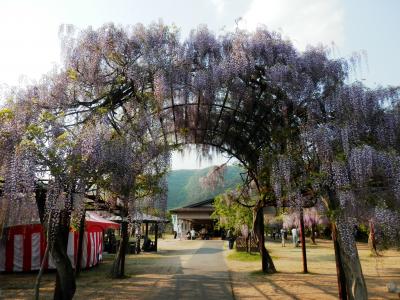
pixel 196 216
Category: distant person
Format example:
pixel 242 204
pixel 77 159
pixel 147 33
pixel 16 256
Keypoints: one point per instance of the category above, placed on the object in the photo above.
pixel 147 244
pixel 231 239
pixel 283 237
pixel 192 234
pixel 228 234
pixel 295 236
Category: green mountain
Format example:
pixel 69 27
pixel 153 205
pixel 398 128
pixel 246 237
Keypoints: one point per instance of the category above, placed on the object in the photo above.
pixel 184 187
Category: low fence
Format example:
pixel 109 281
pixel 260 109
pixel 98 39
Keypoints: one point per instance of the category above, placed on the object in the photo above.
pixel 241 244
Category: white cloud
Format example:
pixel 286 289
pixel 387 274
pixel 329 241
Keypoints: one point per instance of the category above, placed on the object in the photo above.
pixel 303 21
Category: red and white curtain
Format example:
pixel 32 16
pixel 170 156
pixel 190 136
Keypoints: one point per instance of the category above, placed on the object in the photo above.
pixel 22 248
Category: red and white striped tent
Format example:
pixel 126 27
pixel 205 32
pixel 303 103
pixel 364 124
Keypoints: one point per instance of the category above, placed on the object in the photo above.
pixel 22 247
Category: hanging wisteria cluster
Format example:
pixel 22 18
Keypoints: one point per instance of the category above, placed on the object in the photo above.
pixel 17 203
pixel 359 163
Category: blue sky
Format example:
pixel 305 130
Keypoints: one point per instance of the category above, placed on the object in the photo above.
pixel 30 47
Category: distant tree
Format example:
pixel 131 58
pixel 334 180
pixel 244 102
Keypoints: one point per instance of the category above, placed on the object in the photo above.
pixel 232 215
pixel 312 218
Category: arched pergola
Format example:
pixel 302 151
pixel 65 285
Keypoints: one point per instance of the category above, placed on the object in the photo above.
pixel 242 116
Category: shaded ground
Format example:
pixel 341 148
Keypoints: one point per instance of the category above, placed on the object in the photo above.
pixel 198 270
pixel 181 270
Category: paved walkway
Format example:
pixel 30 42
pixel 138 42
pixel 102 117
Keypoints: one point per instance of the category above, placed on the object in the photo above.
pixel 202 273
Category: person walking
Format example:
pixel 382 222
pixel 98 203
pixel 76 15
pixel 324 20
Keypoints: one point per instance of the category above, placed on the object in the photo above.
pixel 231 239
pixel 283 237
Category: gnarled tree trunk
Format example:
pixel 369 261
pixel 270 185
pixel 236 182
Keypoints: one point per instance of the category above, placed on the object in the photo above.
pixel 65 278
pixel 348 265
pixel 258 227
pixel 118 267
pixel 350 277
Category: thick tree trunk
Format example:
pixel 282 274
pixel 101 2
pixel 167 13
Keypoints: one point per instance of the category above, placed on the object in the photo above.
pixel 341 276
pixel 267 263
pixel 118 268
pixel 303 241
pixel 349 268
pixel 115 269
pixel 350 277
pixel 65 278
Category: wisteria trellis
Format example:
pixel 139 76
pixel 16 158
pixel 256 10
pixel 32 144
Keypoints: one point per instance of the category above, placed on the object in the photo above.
pixel 125 97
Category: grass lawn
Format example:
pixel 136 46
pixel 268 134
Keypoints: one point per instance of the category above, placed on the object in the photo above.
pixel 243 256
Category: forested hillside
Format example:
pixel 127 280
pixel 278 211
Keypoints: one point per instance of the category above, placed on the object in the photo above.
pixel 184 187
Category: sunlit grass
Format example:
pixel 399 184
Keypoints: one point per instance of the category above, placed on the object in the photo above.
pixel 320 283
pixel 243 256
